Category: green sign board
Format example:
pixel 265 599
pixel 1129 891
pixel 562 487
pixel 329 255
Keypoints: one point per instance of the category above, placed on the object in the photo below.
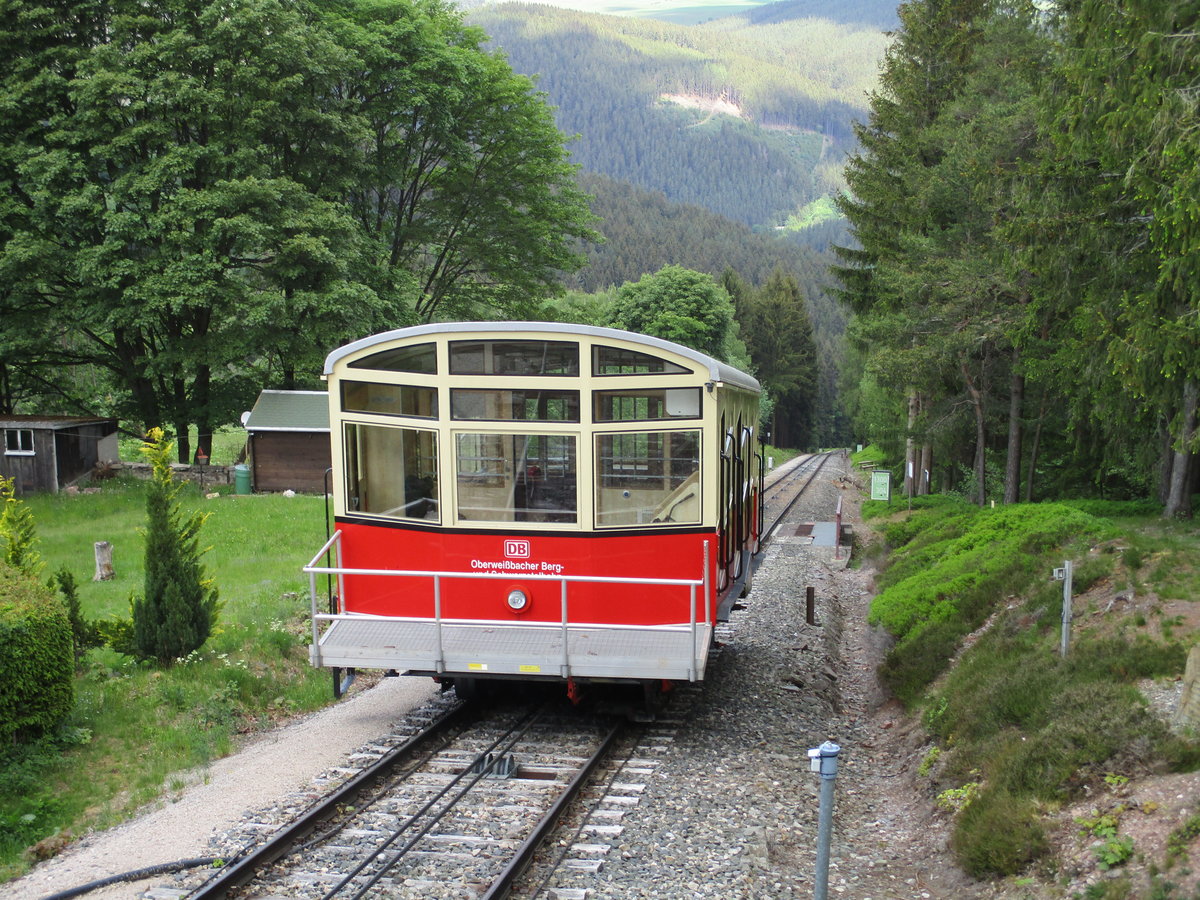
pixel 881 486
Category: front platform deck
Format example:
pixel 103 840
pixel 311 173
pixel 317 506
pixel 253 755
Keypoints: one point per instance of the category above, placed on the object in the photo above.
pixel 533 649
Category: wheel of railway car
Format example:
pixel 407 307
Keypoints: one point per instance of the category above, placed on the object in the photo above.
pixel 655 695
pixel 471 690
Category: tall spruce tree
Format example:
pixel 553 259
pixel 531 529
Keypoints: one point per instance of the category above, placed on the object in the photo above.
pixel 914 348
pixel 775 324
pixel 1120 219
pixel 178 608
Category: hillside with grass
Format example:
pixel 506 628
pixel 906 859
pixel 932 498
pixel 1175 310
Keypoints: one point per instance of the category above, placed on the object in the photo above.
pixel 1039 759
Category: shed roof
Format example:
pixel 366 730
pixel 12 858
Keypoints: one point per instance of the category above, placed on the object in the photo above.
pixel 289 411
pixel 53 423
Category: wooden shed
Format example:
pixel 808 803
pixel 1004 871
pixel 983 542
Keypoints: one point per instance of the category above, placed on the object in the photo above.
pixel 48 453
pixel 288 437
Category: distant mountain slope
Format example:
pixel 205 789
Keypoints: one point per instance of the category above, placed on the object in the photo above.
pixel 750 120
pixel 645 231
pixel 864 13
pixel 880 14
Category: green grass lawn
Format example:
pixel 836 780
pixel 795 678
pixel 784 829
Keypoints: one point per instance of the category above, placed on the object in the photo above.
pixel 135 727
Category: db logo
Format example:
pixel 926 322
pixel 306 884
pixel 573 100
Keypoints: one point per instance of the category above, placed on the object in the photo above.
pixel 516 549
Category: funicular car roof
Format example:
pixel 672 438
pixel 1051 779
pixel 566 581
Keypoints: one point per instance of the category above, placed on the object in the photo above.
pixel 717 370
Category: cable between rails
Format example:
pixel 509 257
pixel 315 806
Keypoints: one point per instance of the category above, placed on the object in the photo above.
pixel 134 875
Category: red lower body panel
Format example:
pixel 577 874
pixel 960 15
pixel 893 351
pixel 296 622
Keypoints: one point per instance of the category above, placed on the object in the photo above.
pixel 527 562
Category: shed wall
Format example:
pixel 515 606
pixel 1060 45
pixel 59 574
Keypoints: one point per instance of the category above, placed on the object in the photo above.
pixel 35 473
pixel 288 460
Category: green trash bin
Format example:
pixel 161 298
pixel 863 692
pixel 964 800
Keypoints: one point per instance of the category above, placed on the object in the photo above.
pixel 241 479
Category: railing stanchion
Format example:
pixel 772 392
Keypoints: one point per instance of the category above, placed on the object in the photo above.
pixel 341 579
pixel 694 662
pixel 566 655
pixel 437 616
pixel 314 653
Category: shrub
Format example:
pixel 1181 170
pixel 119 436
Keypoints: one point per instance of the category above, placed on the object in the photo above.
pixel 954 567
pixel 36 660
pixel 915 662
pixel 1086 725
pixel 997 834
pixel 17 532
pixel 84 633
pixel 178 610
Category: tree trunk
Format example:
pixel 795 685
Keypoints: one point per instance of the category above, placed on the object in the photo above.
pixel 1033 451
pixel 1165 460
pixel 1179 501
pixel 104 564
pixel 1012 466
pixel 980 436
pixel 910 457
pixel 926 467
pixel 6 398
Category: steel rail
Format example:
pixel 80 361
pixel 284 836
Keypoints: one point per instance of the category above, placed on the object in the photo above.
pixel 281 843
pixel 525 853
pixel 485 761
pixel 824 458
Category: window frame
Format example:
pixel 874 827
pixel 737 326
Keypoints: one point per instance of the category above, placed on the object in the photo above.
pixel 401 388
pixel 457 435
pixel 19 450
pixel 439 517
pixel 598 480
pixel 595 364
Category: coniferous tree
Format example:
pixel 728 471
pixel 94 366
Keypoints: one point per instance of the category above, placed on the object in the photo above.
pixel 1111 230
pixel 179 607
pixel 18 534
pixel 779 336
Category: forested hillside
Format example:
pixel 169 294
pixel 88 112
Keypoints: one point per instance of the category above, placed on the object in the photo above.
pixel 750 116
pixel 644 232
pixel 1027 274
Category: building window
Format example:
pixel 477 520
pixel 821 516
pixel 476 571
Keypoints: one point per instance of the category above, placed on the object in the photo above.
pixel 419 358
pixel 651 403
pixel 618 361
pixel 18 442
pixel 389 399
pixel 501 404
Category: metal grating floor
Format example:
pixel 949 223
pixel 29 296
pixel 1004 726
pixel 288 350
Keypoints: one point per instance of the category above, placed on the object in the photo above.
pixel 524 648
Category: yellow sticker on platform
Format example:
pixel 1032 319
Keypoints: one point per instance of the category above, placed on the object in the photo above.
pixel 531 668
pixel 477 667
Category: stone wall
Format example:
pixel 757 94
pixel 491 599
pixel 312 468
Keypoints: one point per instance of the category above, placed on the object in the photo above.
pixel 200 474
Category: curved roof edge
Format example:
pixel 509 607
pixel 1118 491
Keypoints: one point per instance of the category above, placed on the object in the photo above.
pixel 717 370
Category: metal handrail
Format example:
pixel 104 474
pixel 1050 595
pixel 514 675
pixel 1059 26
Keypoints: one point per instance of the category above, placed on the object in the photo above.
pixel 693 624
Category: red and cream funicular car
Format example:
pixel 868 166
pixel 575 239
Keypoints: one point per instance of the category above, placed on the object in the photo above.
pixel 534 501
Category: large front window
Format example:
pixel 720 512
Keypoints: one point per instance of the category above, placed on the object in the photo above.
pixel 648 478
pixel 516 477
pixel 391 471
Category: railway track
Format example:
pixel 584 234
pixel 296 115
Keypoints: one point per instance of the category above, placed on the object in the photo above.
pixel 780 496
pixel 454 811
pixel 460 807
